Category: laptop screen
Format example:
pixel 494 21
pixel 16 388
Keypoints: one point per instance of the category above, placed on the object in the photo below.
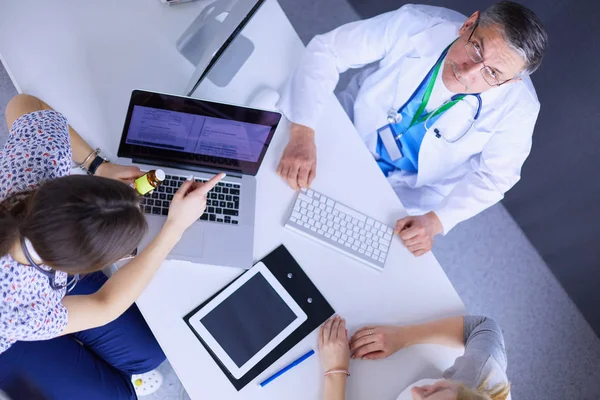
pixel 183 132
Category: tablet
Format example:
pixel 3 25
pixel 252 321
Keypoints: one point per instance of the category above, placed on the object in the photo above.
pixel 247 320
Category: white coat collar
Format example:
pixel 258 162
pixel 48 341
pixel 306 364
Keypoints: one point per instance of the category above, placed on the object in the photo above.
pixel 431 42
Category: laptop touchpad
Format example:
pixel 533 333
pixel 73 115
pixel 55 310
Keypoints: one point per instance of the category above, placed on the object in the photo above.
pixel 191 244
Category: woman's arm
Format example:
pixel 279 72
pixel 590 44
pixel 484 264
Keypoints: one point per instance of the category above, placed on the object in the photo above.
pixel 335 356
pixel 447 332
pixel 23 104
pixel 128 283
pixel 372 342
pixel 335 387
pixel 122 289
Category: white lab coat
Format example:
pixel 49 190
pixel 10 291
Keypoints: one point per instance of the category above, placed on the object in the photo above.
pixel 456 181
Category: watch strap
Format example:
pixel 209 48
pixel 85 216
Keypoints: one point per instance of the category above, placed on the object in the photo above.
pixel 96 162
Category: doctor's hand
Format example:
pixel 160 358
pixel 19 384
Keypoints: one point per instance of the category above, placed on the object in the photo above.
pixel 418 232
pixel 298 165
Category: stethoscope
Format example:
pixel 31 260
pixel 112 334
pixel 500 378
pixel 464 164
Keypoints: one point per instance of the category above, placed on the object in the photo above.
pixel 394 115
pixel 439 134
pixel 28 249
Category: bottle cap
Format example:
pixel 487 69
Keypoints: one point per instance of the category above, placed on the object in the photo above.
pixel 160 174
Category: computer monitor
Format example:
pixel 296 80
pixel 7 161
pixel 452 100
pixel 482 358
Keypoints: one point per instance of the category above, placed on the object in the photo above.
pixel 213 42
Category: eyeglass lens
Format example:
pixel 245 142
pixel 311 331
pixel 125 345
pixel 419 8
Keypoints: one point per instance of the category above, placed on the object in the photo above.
pixel 486 71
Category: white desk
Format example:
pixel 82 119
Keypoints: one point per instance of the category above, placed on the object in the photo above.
pixel 86 58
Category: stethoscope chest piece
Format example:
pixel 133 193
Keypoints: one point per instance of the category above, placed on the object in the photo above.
pixel 393 116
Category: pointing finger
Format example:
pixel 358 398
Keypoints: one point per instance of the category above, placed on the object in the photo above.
pixel 208 186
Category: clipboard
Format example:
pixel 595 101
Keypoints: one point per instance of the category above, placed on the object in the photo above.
pixel 299 286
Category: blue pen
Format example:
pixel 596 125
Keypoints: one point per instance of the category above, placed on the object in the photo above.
pixel 285 369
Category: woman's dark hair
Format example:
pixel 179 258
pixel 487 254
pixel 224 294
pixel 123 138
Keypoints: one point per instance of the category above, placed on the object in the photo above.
pixel 76 224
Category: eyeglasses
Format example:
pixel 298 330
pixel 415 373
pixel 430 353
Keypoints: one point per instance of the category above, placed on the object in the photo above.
pixel 474 52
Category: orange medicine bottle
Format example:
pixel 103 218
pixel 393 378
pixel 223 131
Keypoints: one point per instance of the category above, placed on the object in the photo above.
pixel 150 181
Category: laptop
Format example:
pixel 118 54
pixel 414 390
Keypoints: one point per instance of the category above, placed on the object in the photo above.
pixel 184 136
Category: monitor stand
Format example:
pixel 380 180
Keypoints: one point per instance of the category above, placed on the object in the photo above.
pixel 199 37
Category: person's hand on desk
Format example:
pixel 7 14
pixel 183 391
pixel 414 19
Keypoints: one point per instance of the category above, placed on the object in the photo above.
pixel 335 357
pixel 418 232
pixel 298 165
pixel 189 203
pixel 374 342
pixel 333 345
pixel 123 173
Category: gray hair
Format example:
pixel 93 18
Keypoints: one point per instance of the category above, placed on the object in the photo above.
pixel 522 29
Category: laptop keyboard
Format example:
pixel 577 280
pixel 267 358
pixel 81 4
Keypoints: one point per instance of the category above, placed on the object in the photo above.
pixel 222 202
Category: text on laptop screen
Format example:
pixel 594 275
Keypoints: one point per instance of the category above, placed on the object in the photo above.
pixel 196 134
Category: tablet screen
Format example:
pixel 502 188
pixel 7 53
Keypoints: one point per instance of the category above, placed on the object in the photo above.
pixel 247 320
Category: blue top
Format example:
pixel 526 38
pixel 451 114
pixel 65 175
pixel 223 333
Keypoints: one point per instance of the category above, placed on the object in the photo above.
pixel 410 139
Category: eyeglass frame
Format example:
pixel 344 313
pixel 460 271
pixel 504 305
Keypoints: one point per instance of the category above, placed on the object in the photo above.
pixel 476 48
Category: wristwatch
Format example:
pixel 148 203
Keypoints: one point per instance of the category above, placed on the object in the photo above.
pixel 95 164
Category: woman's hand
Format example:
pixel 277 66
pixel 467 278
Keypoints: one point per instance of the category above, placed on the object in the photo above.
pixel 333 345
pixel 123 173
pixel 374 342
pixel 189 203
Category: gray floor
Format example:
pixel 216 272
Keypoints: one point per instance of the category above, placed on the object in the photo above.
pixel 7 91
pixel 553 353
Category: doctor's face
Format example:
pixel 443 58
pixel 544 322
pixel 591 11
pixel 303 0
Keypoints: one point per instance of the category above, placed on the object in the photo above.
pixel 462 74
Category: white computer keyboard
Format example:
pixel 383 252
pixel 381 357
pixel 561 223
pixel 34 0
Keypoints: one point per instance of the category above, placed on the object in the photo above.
pixel 341 228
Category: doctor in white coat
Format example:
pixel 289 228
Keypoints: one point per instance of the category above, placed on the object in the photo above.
pixel 447 110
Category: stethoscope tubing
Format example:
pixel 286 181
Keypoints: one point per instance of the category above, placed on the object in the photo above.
pixel 477 113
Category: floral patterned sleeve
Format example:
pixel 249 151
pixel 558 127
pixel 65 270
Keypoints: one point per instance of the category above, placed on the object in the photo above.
pixel 38 148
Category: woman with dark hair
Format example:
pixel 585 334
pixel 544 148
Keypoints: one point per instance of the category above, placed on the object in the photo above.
pixel 71 338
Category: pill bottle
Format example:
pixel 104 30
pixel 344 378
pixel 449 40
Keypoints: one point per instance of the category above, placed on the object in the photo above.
pixel 150 181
